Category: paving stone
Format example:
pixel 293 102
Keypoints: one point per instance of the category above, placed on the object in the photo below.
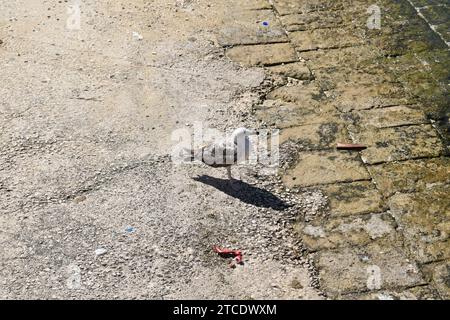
pixel 354 15
pixel 296 70
pixel 339 80
pixel 350 270
pixel 258 55
pixel 250 5
pixel 306 96
pixel 387 117
pixel 399 143
pixel 285 7
pixel 374 85
pixel 421 66
pixel 348 231
pixel 325 39
pixel 284 114
pixel 425 74
pixel 349 90
pixel 345 199
pixel 444 31
pixel 411 176
pixel 439 274
pixel 310 21
pixel 325 167
pixel 246 27
pixel 351 57
pixel 395 40
pixel 316 136
pixel 436 62
pixel 436 14
pixel 349 97
pixel 415 293
pixel 230 6
pixel 424 219
pixel 423 3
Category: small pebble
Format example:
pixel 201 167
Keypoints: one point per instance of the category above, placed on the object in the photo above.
pixel 100 251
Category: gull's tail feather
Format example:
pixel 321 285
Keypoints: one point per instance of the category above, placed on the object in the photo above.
pixel 189 155
pixel 193 154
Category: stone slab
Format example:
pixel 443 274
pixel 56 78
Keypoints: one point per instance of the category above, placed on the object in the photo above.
pixel 388 117
pixel 348 231
pixel 326 19
pixel 360 96
pixel 436 14
pixel 284 114
pixel 424 219
pixel 246 27
pixel 318 136
pixel 423 3
pixel 261 55
pixel 415 293
pixel 326 39
pixel 444 31
pixel 350 57
pixel 399 143
pixel 310 21
pixel 296 70
pixel 250 5
pixel 285 7
pixel 439 275
pixel 325 167
pixel 309 96
pixel 350 270
pixel 411 176
pixel 345 199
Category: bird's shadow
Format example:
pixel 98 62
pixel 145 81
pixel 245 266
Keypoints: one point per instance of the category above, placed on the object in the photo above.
pixel 245 192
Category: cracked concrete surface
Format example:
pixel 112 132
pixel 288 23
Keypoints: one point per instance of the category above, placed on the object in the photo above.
pixel 87 117
pixel 93 207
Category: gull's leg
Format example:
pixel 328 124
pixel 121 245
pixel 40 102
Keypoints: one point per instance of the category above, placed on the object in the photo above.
pixel 234 183
pixel 229 173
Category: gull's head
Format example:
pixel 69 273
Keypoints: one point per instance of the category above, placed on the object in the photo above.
pixel 242 133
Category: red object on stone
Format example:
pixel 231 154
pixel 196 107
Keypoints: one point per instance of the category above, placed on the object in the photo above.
pixel 350 146
pixel 237 254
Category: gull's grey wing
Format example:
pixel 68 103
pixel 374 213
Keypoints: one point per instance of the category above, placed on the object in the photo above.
pixel 220 154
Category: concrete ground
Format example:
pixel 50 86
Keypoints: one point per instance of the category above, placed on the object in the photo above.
pixel 93 207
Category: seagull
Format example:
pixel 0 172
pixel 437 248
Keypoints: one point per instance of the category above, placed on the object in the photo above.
pixel 225 152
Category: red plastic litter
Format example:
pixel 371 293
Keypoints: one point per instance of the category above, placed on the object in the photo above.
pixel 224 252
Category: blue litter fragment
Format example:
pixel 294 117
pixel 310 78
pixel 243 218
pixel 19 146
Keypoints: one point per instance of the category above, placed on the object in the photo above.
pixel 265 23
pixel 129 229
